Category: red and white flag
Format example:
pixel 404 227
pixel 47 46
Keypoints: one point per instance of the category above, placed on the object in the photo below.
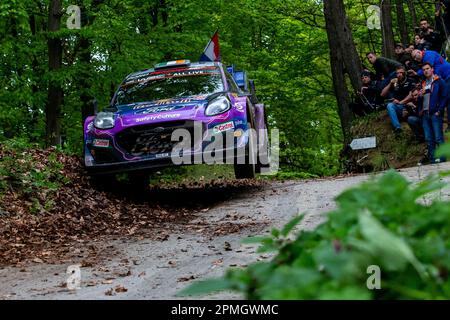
pixel 212 50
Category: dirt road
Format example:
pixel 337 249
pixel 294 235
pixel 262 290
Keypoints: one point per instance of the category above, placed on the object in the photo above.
pixel 140 268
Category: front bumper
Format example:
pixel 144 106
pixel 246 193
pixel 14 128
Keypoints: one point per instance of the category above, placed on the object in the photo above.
pixel 118 154
pixel 229 157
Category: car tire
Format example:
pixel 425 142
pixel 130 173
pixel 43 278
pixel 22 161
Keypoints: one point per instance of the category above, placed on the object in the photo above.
pixel 263 159
pixel 248 169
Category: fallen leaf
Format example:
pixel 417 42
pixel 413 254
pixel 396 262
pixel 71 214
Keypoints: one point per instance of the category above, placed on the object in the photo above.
pixel 120 289
pixel 109 292
pixel 185 279
pixel 227 246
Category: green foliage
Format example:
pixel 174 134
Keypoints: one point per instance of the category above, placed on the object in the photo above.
pixel 29 176
pixel 385 222
pixel 392 151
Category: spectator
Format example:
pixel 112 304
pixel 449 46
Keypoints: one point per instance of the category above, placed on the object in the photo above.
pixel 430 36
pixel 440 67
pixel 432 102
pixel 402 56
pixel 411 113
pixel 399 88
pixel 368 99
pixel 409 49
pixel 420 43
pixel 413 65
pixel 443 21
pixel 384 67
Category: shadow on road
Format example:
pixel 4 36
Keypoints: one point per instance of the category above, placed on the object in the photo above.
pixel 190 196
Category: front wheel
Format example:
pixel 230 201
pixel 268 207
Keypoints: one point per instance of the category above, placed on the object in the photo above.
pixel 245 164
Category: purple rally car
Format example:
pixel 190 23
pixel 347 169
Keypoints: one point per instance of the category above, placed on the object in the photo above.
pixel 178 113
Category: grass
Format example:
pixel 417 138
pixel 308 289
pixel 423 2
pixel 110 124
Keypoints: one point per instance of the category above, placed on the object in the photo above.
pixel 391 151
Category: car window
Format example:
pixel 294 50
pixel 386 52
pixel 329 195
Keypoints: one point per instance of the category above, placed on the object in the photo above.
pixel 233 87
pixel 168 85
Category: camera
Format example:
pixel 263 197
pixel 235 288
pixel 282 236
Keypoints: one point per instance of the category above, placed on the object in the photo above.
pixel 418 31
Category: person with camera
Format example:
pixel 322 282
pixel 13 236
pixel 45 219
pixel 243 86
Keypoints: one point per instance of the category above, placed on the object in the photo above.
pixel 411 113
pixel 368 98
pixel 443 16
pixel 399 88
pixel 432 102
pixel 429 35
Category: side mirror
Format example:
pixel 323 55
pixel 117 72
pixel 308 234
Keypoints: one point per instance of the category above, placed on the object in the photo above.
pixel 95 106
pixel 89 108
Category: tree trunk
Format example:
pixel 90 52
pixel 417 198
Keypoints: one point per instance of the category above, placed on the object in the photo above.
pixel 386 29
pixel 401 21
pixel 412 13
pixel 84 77
pixel 55 91
pixel 34 87
pixel 343 58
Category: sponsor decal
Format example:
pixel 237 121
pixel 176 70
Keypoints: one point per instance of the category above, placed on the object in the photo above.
pixel 163 103
pixel 238 133
pixel 158 117
pixel 139 79
pixel 162 155
pixel 223 127
pixel 160 109
pixel 192 73
pixel 101 143
pixel 136 80
pixel 239 107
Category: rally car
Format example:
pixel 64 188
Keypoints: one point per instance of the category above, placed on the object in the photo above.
pixel 155 111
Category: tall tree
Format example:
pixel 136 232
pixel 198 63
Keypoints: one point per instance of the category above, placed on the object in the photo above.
pixel 401 22
pixel 386 29
pixel 55 90
pixel 412 12
pixel 343 58
pixel 84 81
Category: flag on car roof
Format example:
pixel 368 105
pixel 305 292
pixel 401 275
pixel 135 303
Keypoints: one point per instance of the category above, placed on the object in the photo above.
pixel 212 50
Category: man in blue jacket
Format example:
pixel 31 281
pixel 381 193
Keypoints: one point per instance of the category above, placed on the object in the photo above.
pixel 441 68
pixel 432 103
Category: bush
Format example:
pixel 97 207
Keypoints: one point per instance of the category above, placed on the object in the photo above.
pixel 31 175
pixel 387 222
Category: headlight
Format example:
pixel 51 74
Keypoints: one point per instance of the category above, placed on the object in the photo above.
pixel 218 106
pixel 104 120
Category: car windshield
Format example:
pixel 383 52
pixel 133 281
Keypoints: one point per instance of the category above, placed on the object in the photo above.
pixel 168 85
